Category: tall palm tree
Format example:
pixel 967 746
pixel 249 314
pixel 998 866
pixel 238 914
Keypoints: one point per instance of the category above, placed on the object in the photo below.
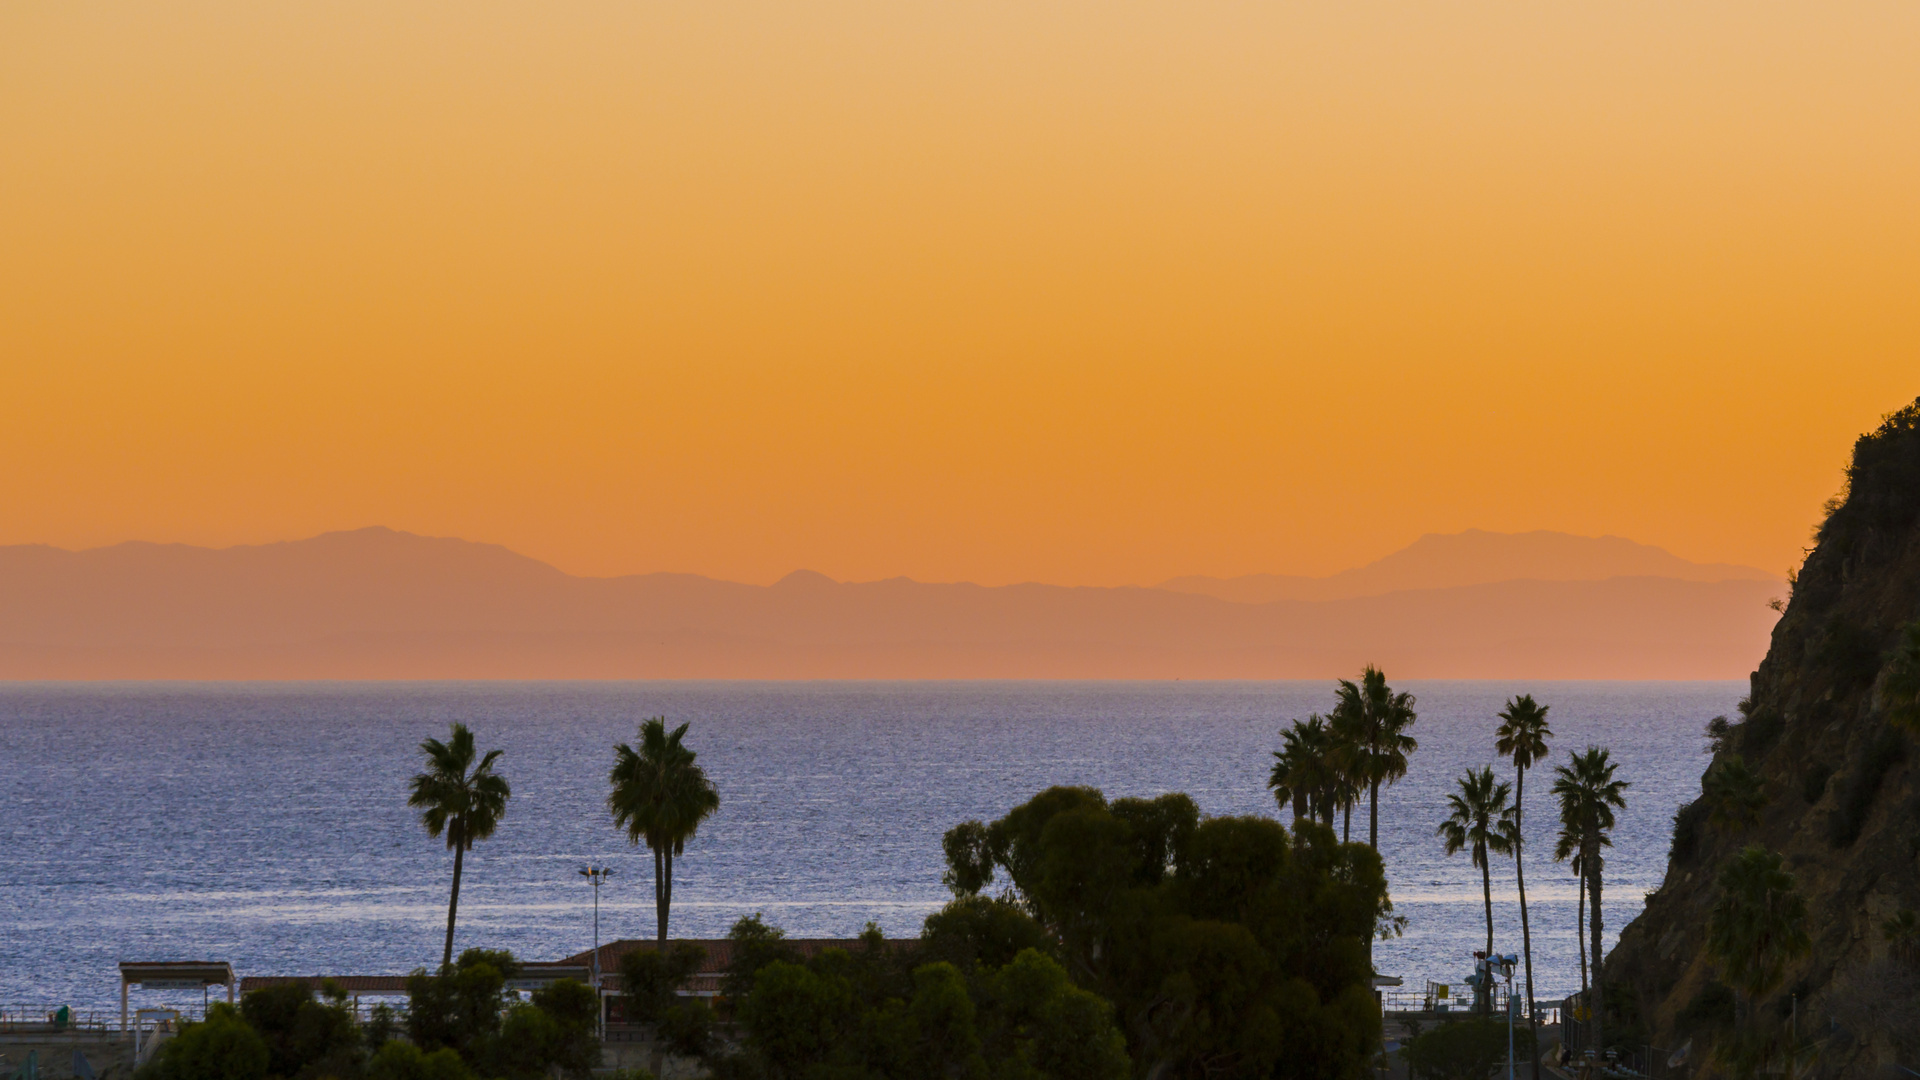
pixel 1522 739
pixel 459 800
pixel 1589 795
pixel 1759 923
pixel 1478 809
pixel 1371 723
pixel 1304 771
pixel 1568 848
pixel 660 797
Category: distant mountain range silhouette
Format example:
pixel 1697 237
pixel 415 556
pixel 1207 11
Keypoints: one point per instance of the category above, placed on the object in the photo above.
pixel 379 604
pixel 1474 557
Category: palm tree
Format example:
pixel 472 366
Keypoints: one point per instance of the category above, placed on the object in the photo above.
pixel 1734 794
pixel 1304 772
pixel 463 803
pixel 1588 797
pixel 1371 723
pixel 1759 923
pixel 1522 739
pixel 1565 849
pixel 660 797
pixel 1478 809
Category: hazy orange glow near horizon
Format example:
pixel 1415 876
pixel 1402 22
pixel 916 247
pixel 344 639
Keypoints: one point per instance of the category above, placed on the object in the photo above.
pixel 1080 292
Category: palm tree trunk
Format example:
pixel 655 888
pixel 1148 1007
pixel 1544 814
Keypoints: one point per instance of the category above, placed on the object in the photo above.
pixel 1346 827
pixel 1299 807
pixel 1486 895
pixel 1373 826
pixel 1526 932
pixel 660 896
pixel 1599 987
pixel 1580 934
pixel 666 898
pixel 453 902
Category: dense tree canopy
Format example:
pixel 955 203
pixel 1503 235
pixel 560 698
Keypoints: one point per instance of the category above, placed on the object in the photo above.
pixel 1228 947
pixel 884 1011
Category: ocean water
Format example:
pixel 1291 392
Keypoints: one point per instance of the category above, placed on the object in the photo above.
pixel 266 824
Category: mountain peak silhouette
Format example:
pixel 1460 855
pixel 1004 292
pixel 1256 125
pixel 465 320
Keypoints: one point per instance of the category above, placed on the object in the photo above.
pixel 385 604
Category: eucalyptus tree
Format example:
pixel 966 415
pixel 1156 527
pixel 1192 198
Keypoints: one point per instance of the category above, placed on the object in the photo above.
pixel 460 800
pixel 660 796
pixel 1758 924
pixel 1306 775
pixel 1589 794
pixel 1522 739
pixel 1370 725
pixel 1477 810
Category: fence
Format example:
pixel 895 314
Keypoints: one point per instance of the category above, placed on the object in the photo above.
pixel 1639 1060
pixel 43 1019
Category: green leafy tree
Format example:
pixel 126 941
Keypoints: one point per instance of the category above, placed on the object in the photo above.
pixel 660 796
pixel 1758 924
pixel 1476 810
pixel 399 1060
pixel 221 1047
pixel 1306 774
pixel 1522 739
pixel 1734 794
pixel 652 978
pixel 459 800
pixel 304 1037
pixel 1370 723
pixel 1227 946
pixel 877 1014
pixel 1589 794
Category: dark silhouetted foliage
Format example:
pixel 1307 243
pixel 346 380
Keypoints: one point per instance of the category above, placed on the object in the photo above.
pixel 304 1037
pixel 1710 1010
pixel 1464 1050
pixel 1227 946
pixel 1813 783
pixel 221 1047
pixel 1887 750
pixel 1688 823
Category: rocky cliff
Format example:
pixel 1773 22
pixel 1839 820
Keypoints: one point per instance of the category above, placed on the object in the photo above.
pixel 1842 802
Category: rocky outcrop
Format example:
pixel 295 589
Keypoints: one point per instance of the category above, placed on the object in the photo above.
pixel 1842 789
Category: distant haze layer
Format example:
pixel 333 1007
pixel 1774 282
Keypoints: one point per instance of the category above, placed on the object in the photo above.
pixel 375 603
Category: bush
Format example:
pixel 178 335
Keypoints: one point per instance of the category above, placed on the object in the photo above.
pixel 1814 783
pixel 304 1037
pixel 653 977
pixel 1464 1050
pixel 1710 1010
pixel 1856 799
pixel 1760 732
pixel 1688 823
pixel 405 1061
pixel 221 1047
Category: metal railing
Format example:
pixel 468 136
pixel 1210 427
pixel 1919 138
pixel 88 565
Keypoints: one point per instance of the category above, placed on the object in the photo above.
pixel 22 1019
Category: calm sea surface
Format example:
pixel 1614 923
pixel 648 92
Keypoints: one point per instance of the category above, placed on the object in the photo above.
pixel 267 824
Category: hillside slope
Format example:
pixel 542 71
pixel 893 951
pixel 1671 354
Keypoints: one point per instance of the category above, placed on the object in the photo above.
pixel 1842 801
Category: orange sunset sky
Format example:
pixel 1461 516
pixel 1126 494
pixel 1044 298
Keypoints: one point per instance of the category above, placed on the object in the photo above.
pixel 1079 292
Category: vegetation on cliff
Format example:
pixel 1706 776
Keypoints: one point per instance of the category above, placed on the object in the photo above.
pixel 1808 804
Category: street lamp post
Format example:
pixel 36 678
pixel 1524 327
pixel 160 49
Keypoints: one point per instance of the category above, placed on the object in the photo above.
pixel 597 876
